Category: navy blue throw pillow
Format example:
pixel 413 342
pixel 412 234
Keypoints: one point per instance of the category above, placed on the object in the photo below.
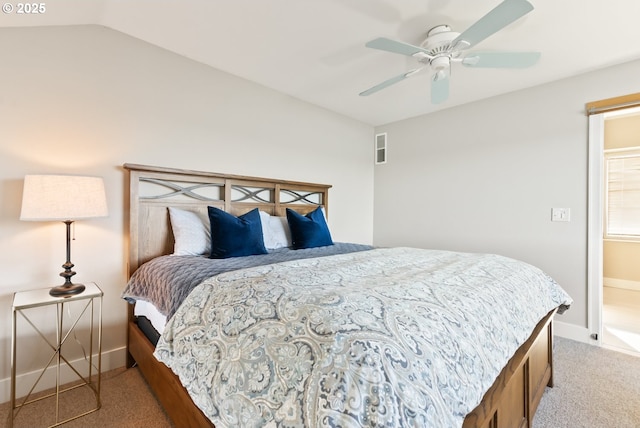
pixel 308 231
pixel 233 236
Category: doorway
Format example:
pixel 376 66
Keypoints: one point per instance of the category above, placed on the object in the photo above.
pixel 621 231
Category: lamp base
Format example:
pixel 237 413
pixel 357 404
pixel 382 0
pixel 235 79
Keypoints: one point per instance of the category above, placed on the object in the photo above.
pixel 66 290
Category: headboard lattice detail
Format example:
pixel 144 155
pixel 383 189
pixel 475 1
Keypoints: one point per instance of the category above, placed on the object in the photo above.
pixel 178 189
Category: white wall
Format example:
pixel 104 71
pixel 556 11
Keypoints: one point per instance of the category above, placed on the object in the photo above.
pixel 483 178
pixel 85 100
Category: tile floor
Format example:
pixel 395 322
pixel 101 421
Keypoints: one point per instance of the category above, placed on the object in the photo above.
pixel 621 320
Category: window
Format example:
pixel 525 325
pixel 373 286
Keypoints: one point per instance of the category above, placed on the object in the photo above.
pixel 622 173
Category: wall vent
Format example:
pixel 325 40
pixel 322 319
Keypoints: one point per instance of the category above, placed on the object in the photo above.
pixel 381 148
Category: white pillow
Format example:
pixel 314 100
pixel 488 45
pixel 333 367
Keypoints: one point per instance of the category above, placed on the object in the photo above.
pixel 191 231
pixel 275 231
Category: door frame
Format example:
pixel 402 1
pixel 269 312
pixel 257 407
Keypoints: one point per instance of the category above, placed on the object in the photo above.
pixel 598 112
pixel 595 227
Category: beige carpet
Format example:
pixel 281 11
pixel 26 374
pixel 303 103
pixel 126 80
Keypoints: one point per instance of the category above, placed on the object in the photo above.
pixel 594 388
pixel 127 402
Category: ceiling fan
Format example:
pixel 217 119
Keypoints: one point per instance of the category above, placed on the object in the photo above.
pixel 442 47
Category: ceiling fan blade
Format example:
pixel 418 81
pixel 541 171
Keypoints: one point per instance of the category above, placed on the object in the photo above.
pixel 501 59
pixel 389 82
pixel 439 87
pixel 394 46
pixel 499 17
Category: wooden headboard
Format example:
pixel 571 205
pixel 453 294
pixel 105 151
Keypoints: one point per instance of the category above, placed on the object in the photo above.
pixel 153 189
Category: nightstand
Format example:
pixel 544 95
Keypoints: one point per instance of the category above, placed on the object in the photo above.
pixel 87 309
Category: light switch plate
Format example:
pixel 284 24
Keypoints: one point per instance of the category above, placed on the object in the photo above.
pixel 560 214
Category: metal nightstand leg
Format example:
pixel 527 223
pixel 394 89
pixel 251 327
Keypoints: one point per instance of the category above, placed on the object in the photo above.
pixel 13 368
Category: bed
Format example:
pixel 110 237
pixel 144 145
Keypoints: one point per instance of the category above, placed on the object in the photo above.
pixel 509 399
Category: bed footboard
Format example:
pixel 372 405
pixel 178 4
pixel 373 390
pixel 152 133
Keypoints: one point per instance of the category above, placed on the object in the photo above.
pixel 514 397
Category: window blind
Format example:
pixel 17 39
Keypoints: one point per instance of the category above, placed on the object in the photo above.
pixel 623 195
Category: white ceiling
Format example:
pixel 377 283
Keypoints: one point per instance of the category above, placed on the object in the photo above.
pixel 314 50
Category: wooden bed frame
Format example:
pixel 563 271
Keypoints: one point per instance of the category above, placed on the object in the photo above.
pixel 510 402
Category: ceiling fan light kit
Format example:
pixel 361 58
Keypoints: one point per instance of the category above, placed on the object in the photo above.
pixel 443 46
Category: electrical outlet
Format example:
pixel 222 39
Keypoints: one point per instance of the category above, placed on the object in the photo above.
pixel 560 214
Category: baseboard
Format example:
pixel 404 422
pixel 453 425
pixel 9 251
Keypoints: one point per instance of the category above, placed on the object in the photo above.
pixel 111 360
pixel 621 283
pixel 573 332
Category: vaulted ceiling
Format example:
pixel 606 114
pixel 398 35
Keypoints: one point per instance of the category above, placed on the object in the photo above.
pixel 314 50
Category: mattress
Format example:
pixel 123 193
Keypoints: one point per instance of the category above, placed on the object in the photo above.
pixel 150 312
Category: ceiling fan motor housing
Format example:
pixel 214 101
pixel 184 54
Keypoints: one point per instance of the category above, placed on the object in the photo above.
pixel 438 41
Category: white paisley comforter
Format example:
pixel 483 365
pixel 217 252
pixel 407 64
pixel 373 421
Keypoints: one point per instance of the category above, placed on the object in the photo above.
pixel 394 337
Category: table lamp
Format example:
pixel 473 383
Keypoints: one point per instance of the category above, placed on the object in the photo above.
pixel 63 198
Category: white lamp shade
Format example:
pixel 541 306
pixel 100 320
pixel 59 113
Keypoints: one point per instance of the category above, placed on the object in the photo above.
pixel 62 197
